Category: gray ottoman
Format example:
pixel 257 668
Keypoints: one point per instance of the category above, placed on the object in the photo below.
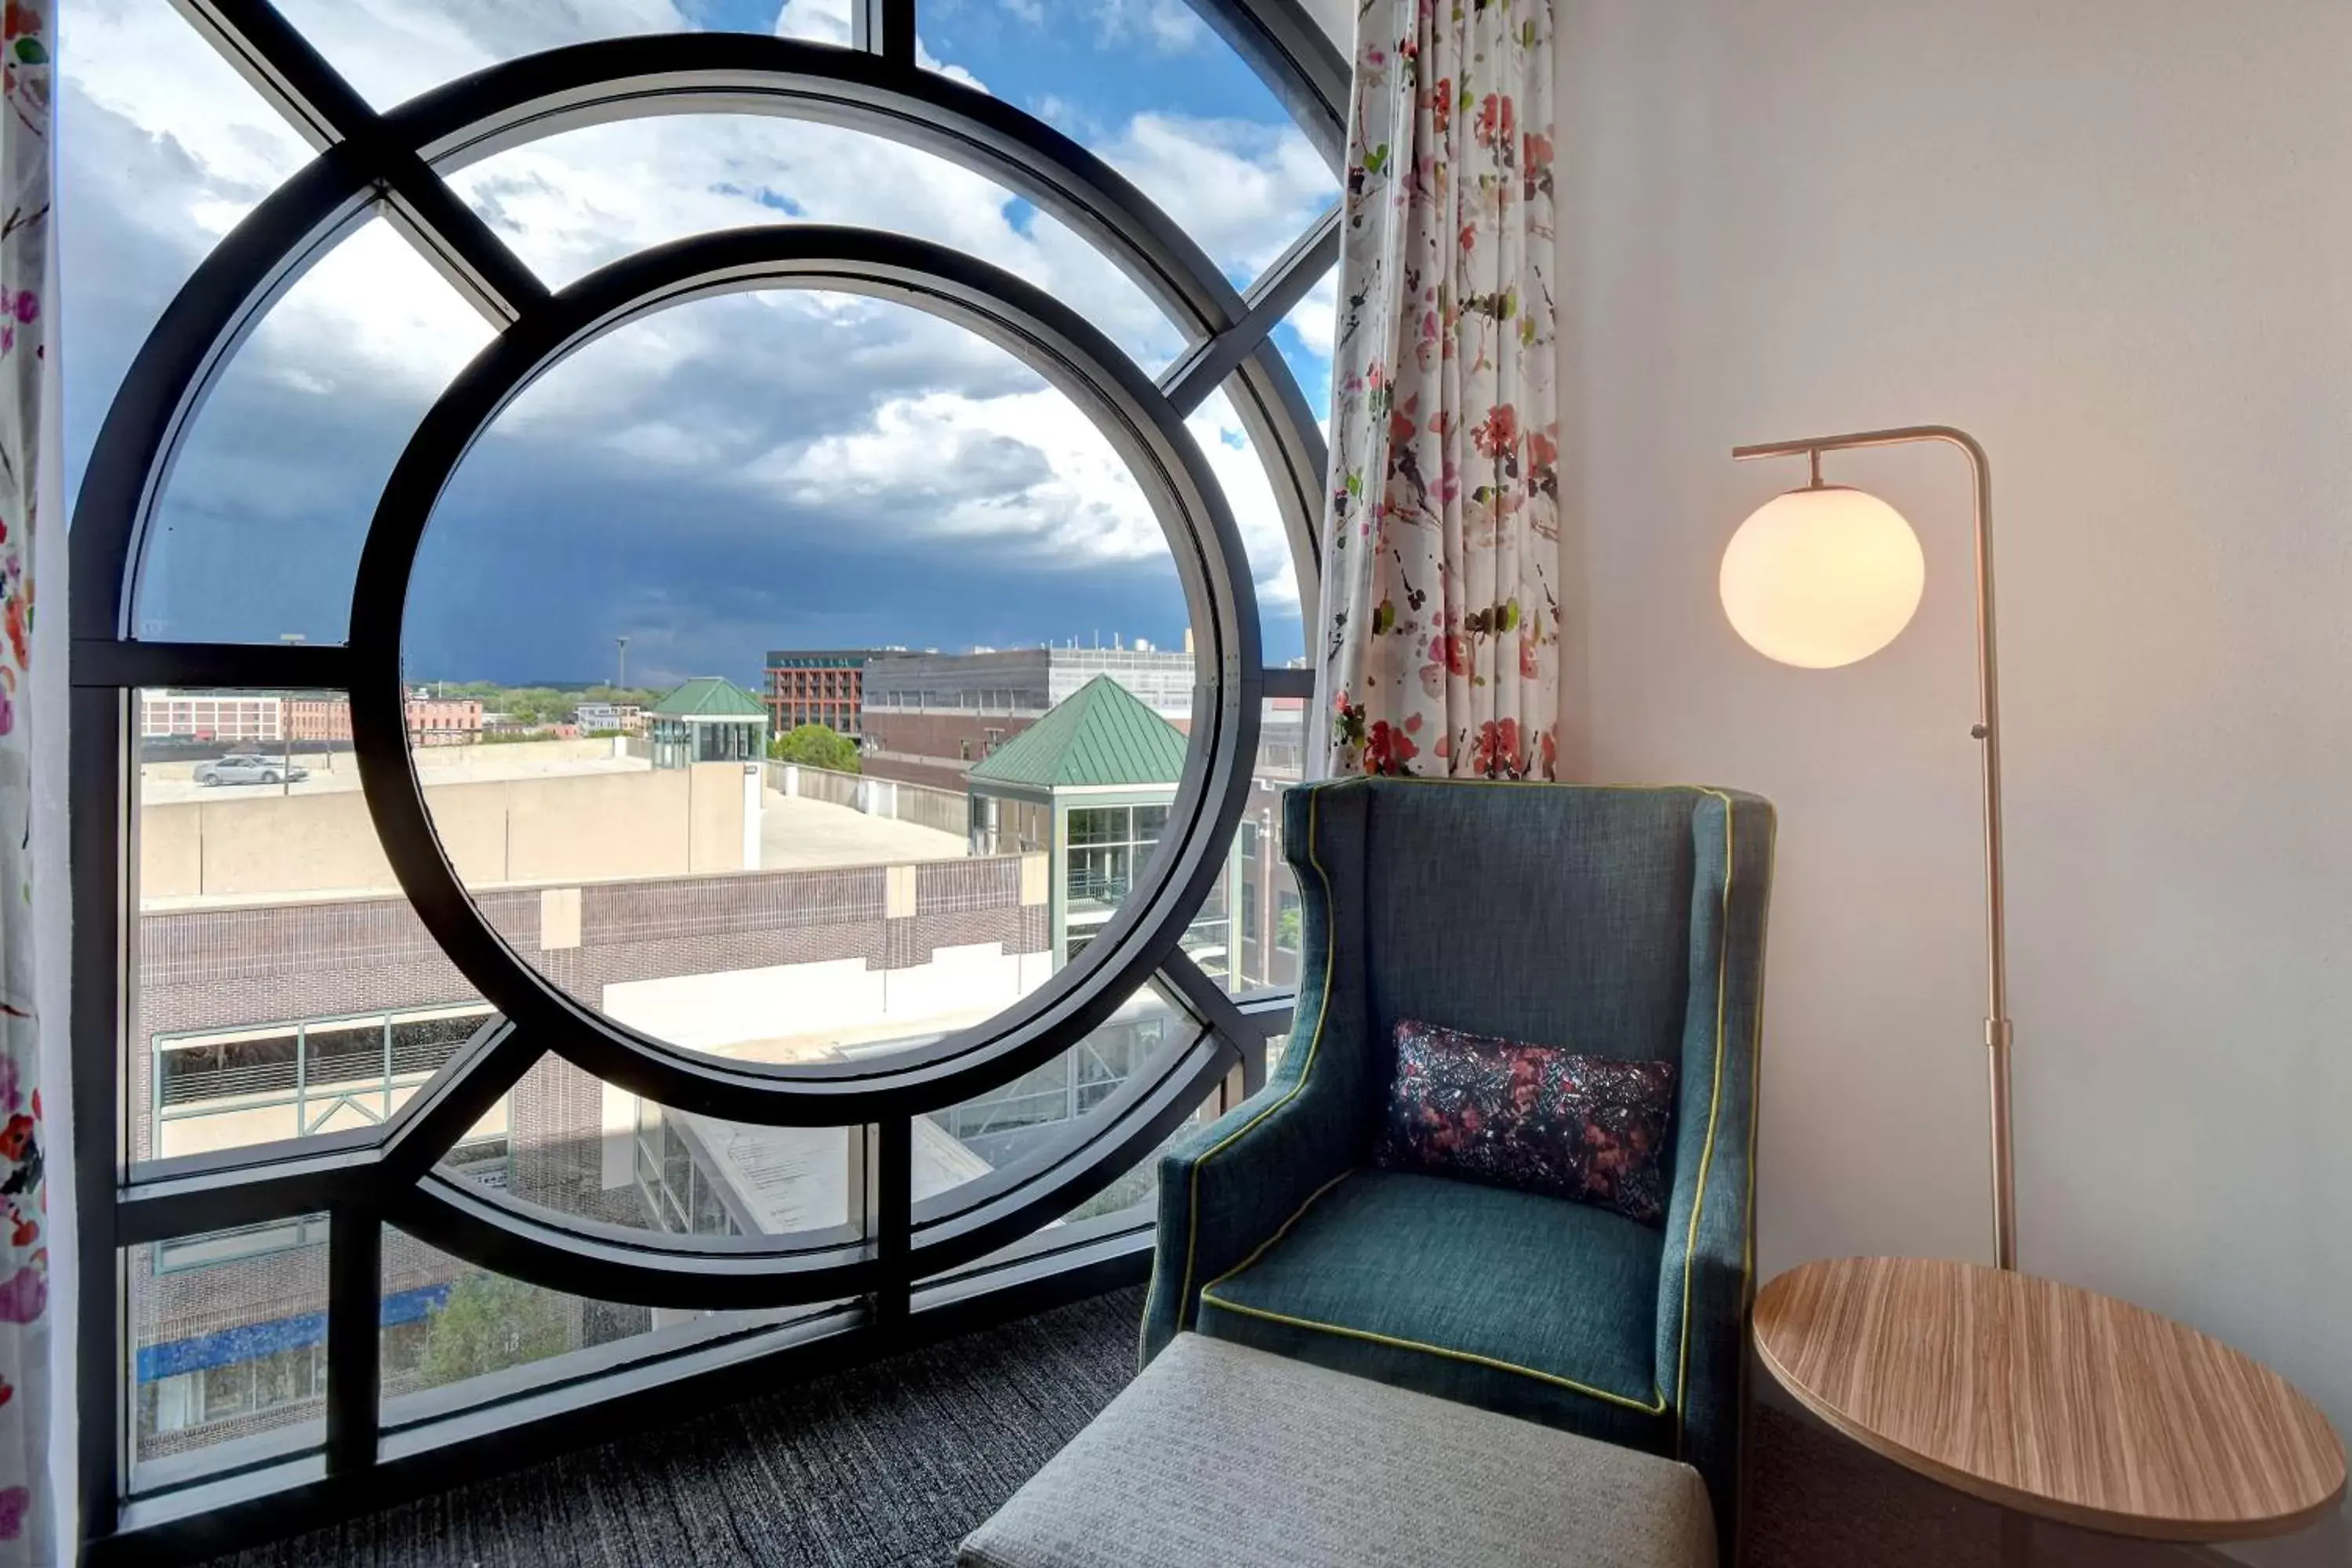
pixel 1220 1456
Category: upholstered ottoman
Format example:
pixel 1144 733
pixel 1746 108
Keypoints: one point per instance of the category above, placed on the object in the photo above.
pixel 1224 1457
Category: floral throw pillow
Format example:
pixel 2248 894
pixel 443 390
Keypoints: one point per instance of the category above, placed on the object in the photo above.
pixel 1480 1109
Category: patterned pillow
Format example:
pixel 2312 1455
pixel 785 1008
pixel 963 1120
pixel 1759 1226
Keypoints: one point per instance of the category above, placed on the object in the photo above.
pixel 1532 1117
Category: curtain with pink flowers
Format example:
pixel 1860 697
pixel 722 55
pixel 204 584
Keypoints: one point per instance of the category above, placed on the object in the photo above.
pixel 27 1527
pixel 1441 538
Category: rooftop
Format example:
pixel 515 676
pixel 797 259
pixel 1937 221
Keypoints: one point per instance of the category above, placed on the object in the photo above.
pixel 1101 736
pixel 829 658
pixel 711 696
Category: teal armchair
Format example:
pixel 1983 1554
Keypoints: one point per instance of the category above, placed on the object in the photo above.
pixel 1627 922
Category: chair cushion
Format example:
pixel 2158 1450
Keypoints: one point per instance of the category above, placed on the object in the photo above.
pixel 1507 1300
pixel 1537 1118
pixel 1220 1456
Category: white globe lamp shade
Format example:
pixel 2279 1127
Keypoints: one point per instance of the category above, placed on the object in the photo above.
pixel 1822 578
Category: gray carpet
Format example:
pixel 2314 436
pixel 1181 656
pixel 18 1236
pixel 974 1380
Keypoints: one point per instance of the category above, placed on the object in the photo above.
pixel 892 1464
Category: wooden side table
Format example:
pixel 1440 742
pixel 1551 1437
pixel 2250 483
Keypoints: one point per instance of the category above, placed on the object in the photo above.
pixel 2055 1401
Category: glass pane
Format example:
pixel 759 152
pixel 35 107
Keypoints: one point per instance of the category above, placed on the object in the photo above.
pixel 1023 1120
pixel 284 987
pixel 1265 539
pixel 1268 898
pixel 573 202
pixel 456 1335
pixel 581 1148
pixel 887 868
pixel 1128 1203
pixel 818 21
pixel 284 462
pixel 1276 1046
pixel 161 149
pixel 1305 338
pixel 1147 86
pixel 228 1338
pixel 391 51
pixel 1136 1194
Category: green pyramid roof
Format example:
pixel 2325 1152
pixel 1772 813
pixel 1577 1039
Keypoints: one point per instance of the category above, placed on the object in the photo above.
pixel 710 697
pixel 1099 735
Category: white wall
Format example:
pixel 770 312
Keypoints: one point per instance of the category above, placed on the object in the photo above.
pixel 2116 242
pixel 1337 17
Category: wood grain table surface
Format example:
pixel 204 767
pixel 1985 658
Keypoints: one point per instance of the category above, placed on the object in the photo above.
pixel 2054 1401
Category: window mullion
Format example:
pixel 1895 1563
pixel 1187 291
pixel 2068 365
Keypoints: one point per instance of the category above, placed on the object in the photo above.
pixel 1204 367
pixel 354 1315
pixel 288 71
pixel 884 27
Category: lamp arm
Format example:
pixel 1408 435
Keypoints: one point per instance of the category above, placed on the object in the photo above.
pixel 1997 1029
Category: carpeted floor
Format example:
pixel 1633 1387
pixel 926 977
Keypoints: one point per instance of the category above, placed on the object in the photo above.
pixel 892 1464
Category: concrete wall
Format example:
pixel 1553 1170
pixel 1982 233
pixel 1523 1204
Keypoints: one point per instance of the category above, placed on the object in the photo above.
pixel 2112 241
pixel 798 1012
pixel 567 828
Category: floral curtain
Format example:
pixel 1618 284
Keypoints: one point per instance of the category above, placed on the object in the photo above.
pixel 1441 544
pixel 26 310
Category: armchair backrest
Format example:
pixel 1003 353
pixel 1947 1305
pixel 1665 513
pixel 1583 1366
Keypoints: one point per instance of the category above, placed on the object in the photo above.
pixel 1589 918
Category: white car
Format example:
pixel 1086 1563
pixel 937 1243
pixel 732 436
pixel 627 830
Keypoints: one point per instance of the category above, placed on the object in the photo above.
pixel 244 767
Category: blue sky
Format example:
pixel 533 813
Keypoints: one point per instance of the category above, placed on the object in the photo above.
pixel 736 475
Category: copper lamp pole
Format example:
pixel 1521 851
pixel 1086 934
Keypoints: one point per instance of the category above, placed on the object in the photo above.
pixel 1997 1030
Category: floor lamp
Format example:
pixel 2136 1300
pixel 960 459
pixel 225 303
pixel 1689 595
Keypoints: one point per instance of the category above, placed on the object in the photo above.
pixel 1827 575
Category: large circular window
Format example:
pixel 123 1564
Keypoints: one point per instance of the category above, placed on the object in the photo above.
pixel 735 859
pixel 787 673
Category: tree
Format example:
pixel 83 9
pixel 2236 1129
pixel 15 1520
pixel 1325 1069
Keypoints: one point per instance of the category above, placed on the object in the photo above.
pixel 490 1323
pixel 815 746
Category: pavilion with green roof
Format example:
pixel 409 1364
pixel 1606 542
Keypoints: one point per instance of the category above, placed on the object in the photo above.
pixel 708 719
pixel 1089 785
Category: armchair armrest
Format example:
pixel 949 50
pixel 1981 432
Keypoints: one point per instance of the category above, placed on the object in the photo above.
pixel 1225 1191
pixel 1705 1283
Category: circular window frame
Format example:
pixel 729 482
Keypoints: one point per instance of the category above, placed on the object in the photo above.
pixel 1078 361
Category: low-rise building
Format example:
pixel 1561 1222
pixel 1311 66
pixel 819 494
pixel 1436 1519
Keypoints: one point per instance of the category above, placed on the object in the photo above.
pixel 443 721
pixel 319 719
pixel 233 718
pixel 821 686
pixel 1089 784
pixel 627 718
pixel 928 718
pixel 708 719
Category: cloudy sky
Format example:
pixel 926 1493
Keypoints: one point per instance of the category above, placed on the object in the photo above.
pixel 756 471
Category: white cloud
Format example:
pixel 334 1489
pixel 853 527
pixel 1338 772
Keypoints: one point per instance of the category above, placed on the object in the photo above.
pixel 820 21
pixel 1218 431
pixel 1169 25
pixel 394 49
pixel 1315 317
pixel 415 331
pixel 149 69
pixel 826 402
pixel 1242 191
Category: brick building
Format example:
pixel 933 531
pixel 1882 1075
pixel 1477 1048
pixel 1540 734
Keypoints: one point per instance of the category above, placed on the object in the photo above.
pixel 820 686
pixel 244 717
pixel 443 721
pixel 226 717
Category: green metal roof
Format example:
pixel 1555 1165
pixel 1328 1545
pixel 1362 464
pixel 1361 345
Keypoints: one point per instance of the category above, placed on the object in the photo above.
pixel 1099 735
pixel 710 697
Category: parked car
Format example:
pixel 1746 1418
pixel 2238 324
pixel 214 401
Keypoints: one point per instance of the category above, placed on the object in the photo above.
pixel 244 767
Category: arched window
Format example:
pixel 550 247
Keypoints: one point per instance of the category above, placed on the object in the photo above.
pixel 676 610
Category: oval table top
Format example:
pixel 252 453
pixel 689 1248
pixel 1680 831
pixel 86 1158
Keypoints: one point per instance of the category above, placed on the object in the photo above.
pixel 2048 1399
